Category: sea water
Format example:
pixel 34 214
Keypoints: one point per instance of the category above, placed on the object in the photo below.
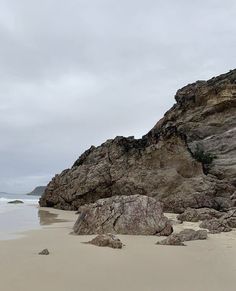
pixel 17 218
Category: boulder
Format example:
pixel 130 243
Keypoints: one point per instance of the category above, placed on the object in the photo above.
pixel 106 240
pixel 135 214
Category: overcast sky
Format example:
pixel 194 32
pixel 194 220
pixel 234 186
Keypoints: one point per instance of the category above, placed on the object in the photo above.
pixel 75 73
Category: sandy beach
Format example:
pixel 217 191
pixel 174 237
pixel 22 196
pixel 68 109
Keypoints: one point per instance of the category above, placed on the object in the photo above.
pixel 140 265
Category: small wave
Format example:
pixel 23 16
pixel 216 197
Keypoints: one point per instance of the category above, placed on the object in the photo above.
pixel 27 201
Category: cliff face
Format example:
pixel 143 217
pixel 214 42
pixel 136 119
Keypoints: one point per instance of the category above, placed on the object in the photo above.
pixel 173 163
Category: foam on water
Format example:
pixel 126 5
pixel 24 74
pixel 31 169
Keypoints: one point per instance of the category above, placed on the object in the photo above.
pixel 16 218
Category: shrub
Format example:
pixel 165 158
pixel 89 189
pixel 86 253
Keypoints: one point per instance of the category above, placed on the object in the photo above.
pixel 203 157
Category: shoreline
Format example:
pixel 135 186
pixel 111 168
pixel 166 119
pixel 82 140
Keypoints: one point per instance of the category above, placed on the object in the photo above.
pixel 208 265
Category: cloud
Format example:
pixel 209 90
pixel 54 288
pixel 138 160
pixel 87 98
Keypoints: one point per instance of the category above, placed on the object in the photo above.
pixel 75 73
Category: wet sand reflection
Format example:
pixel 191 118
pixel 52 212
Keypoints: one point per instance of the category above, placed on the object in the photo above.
pixel 47 218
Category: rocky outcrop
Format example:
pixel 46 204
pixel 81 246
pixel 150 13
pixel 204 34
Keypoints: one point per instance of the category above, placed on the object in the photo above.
pixel 135 214
pixel 187 160
pixel 194 215
pixel 106 240
pixel 184 235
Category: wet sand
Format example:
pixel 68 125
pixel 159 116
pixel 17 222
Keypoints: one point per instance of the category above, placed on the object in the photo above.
pixel 140 266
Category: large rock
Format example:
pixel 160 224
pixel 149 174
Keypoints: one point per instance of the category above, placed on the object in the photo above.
pixel 174 162
pixel 184 235
pixel 136 214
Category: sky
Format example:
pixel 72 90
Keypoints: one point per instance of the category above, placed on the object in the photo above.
pixel 75 73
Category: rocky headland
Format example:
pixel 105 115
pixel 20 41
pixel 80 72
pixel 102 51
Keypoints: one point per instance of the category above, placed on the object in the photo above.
pixel 186 161
pixel 38 191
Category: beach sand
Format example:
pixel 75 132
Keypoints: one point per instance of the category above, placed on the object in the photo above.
pixel 141 265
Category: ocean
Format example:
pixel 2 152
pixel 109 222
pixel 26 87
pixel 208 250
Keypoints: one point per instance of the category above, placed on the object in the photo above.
pixel 17 218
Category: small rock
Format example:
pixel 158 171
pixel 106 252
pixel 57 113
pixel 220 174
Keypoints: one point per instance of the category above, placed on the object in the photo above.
pixel 44 252
pixel 106 240
pixel 172 240
pixel 190 234
pixel 185 235
pixel 15 202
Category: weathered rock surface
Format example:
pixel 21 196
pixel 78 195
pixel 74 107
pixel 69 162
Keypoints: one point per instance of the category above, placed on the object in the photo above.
pixel 106 240
pixel 134 214
pixel 164 164
pixel 184 235
pixel 194 215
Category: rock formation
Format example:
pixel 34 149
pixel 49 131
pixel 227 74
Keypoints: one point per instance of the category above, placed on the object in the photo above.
pixel 134 214
pixel 187 160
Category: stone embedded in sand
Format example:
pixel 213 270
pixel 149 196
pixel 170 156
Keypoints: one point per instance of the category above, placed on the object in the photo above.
pixel 184 235
pixel 15 202
pixel 135 214
pixel 194 215
pixel 172 240
pixel 106 240
pixel 44 252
